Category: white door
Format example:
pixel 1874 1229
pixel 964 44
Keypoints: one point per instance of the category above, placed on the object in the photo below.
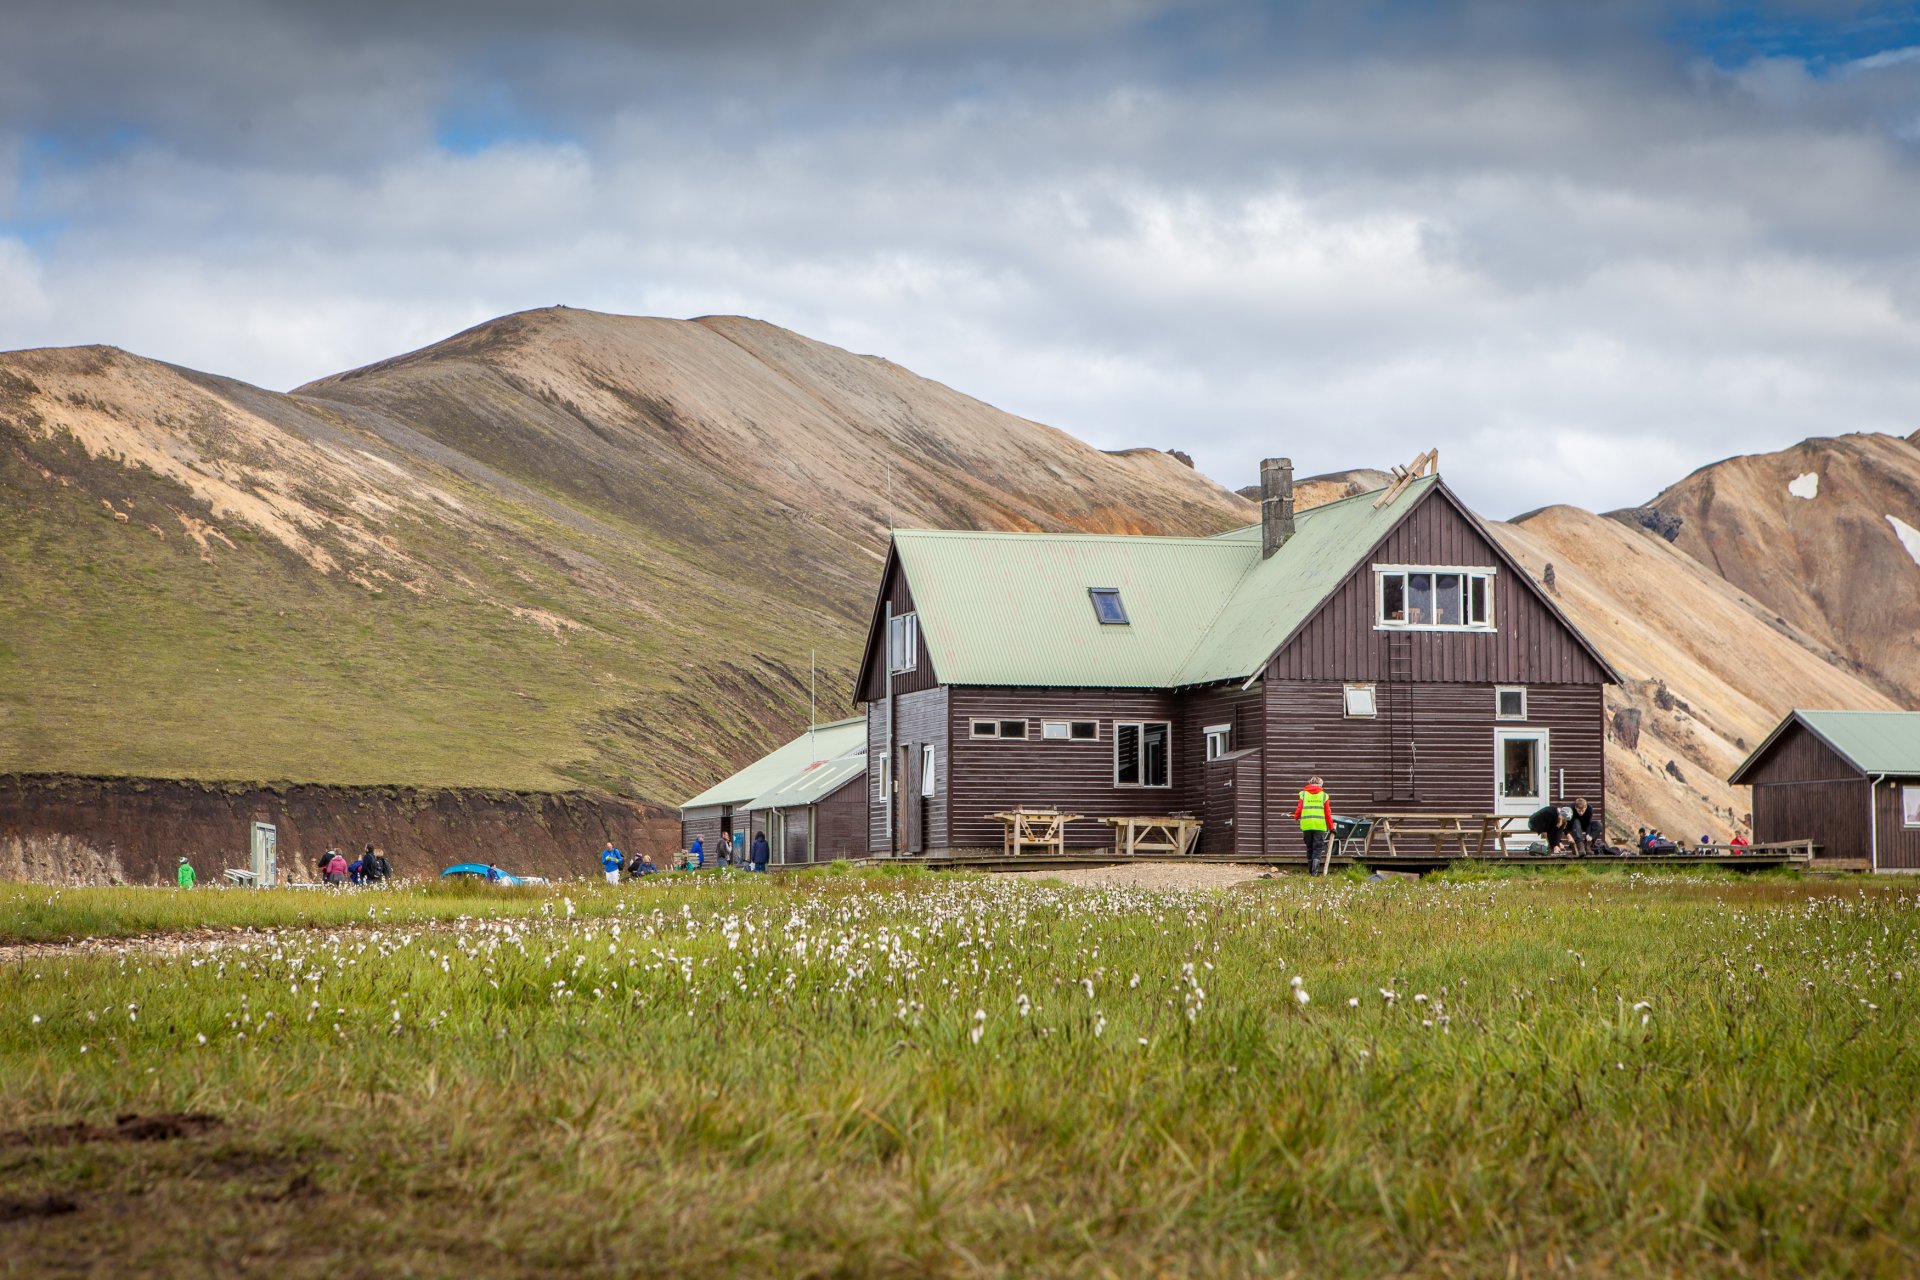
pixel 1520 770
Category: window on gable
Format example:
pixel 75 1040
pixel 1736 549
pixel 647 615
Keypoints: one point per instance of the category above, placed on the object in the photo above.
pixel 903 642
pixel 1418 598
pixel 1141 754
pixel 1357 700
pixel 1107 606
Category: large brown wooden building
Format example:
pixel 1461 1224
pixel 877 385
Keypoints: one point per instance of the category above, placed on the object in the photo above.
pixel 1391 648
pixel 1847 780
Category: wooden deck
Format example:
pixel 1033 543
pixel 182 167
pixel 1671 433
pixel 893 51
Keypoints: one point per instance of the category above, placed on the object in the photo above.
pixel 1771 857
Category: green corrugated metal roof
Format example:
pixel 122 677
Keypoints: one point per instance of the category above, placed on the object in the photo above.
pixel 1875 741
pixel 1012 608
pixel 815 782
pixel 1278 594
pixel 822 742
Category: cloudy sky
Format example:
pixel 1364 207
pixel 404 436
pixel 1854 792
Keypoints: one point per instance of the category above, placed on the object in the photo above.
pixel 1583 248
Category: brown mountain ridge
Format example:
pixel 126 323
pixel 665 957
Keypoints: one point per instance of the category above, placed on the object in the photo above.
pixel 567 551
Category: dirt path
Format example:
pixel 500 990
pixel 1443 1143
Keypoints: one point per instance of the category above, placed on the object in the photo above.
pixel 1151 875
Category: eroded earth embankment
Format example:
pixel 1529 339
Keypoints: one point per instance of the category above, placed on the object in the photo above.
pixel 63 829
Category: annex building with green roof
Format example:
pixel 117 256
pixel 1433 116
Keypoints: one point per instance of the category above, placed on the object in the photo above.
pixel 1847 780
pixel 1384 642
pixel 807 796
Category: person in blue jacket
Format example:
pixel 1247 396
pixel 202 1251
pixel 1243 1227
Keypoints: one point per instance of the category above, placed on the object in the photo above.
pixel 697 854
pixel 611 860
pixel 760 851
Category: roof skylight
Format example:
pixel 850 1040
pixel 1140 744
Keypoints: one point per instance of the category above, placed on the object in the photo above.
pixel 1107 606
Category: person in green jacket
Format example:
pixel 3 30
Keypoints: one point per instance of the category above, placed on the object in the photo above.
pixel 186 875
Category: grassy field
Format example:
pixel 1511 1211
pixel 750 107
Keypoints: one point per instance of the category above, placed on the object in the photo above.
pixel 851 1075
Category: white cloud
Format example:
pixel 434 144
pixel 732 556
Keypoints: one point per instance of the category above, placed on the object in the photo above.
pixel 1579 271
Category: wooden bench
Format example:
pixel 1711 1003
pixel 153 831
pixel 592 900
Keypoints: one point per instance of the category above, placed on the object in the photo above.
pixel 1034 828
pixel 1175 833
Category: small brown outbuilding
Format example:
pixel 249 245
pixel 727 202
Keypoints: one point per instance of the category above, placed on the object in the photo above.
pixel 1847 780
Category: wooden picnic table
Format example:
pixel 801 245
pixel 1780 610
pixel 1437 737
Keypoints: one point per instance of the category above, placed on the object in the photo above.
pixel 1468 834
pixel 1170 833
pixel 1034 828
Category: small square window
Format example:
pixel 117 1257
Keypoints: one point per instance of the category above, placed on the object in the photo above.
pixel 1359 701
pixel 1107 606
pixel 1219 740
pixel 1510 704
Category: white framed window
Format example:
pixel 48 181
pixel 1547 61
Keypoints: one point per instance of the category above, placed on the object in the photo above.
pixel 1108 607
pixel 1070 730
pixel 1142 753
pixel 1219 739
pixel 883 795
pixel 903 642
pixel 1510 702
pixel 1357 701
pixel 1910 806
pixel 926 770
pixel 1433 597
pixel 1005 729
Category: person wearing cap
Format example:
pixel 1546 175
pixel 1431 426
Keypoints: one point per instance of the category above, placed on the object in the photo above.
pixel 186 875
pixel 1314 812
pixel 1550 823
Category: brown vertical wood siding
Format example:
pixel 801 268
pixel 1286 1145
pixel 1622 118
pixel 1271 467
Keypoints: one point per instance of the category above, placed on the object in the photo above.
pixel 1452 739
pixel 923 718
pixel 898 600
pixel 1832 814
pixel 703 822
pixel 1805 790
pixel 1899 844
pixel 1799 756
pixel 1246 711
pixel 1530 646
pixel 840 823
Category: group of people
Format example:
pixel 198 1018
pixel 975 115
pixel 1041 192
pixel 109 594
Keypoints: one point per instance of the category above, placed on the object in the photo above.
pixel 1574 828
pixel 371 867
pixel 614 863
pixel 1653 840
pixel 1571 829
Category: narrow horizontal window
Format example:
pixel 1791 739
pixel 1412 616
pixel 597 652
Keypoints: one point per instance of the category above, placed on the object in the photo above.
pixel 999 729
pixel 1070 730
pixel 1107 606
pixel 1357 700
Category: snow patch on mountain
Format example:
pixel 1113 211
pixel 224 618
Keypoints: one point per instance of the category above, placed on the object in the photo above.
pixel 1908 535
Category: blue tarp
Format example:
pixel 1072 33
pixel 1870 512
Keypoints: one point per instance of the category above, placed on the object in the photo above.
pixel 479 869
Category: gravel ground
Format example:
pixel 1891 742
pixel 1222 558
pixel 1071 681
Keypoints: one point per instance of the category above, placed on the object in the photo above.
pixel 1152 875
